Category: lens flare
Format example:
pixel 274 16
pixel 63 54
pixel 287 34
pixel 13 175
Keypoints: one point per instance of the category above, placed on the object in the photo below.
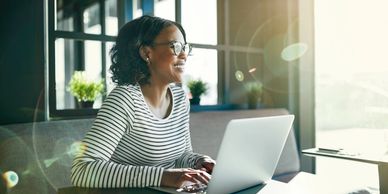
pixel 294 51
pixel 64 154
pixel 11 178
pixel 251 70
pixel 239 76
pixel 77 147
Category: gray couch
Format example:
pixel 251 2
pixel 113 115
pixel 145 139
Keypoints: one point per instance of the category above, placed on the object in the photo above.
pixel 41 153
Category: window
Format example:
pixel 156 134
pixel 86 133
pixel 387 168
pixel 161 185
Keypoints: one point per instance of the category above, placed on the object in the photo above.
pixel 165 9
pixel 80 36
pixel 351 85
pixel 201 31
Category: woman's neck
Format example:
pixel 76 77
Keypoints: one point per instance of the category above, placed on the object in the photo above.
pixel 158 98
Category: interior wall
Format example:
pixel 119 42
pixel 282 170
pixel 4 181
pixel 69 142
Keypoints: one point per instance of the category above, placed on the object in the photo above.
pixel 21 61
pixel 263 25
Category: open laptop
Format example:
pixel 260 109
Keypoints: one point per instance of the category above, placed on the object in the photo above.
pixel 248 155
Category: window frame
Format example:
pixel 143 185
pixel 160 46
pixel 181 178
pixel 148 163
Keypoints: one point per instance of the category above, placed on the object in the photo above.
pixel 53 35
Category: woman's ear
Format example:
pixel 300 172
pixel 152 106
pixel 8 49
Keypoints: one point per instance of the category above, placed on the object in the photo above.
pixel 144 52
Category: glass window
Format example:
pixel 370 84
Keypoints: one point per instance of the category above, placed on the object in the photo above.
pixel 351 85
pixel 66 63
pixel 65 21
pixel 165 9
pixel 111 20
pixel 137 10
pixel 83 52
pixel 80 52
pixel 204 59
pixel 91 19
pixel 93 64
pixel 200 27
pixel 93 58
pixel 64 66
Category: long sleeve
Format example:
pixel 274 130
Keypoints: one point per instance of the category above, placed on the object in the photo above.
pixel 92 166
pixel 188 159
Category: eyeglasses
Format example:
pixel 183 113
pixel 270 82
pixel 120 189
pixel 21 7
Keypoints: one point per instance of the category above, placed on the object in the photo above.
pixel 177 47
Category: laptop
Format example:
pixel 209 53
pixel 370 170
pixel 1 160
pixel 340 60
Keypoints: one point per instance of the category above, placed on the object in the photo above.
pixel 248 155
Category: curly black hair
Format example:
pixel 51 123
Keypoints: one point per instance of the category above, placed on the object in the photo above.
pixel 128 67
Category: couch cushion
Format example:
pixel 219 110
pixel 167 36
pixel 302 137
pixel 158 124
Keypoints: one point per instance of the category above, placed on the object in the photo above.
pixel 43 153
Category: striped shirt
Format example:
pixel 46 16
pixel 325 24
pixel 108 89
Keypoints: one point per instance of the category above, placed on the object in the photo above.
pixel 128 146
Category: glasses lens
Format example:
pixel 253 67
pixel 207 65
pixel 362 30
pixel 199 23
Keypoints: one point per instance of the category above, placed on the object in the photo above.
pixel 187 48
pixel 177 48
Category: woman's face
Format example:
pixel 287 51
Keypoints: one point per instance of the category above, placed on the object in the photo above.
pixel 165 66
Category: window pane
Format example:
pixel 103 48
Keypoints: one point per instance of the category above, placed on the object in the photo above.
pixel 64 67
pixel 199 18
pixel 92 23
pixel 203 59
pixel 351 84
pixel 65 21
pixel 66 63
pixel 111 17
pixel 137 10
pixel 93 64
pixel 165 9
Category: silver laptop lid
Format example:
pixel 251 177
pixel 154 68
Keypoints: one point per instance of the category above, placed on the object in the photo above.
pixel 249 152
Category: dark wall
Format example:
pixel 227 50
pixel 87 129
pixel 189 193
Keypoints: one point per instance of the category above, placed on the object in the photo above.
pixel 21 61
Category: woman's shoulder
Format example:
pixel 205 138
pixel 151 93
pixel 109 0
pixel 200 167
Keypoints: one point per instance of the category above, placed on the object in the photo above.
pixel 126 90
pixel 177 89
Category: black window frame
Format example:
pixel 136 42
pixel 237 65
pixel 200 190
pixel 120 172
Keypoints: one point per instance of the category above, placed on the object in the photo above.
pixel 79 37
pixel 124 14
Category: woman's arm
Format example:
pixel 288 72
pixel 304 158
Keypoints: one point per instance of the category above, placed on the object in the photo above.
pixel 189 159
pixel 92 166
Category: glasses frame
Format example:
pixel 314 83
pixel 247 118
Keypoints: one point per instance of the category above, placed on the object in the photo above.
pixel 174 46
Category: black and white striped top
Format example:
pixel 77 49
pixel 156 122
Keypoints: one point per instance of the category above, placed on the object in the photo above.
pixel 128 146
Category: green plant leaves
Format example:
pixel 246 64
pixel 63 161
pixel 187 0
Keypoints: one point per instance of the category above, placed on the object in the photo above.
pixel 83 89
pixel 197 87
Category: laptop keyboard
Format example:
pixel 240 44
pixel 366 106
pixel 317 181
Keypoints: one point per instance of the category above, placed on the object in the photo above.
pixel 194 188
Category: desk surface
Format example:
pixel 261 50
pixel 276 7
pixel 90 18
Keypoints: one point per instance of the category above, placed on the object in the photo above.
pixel 269 188
pixel 79 190
pixel 303 183
pixel 359 157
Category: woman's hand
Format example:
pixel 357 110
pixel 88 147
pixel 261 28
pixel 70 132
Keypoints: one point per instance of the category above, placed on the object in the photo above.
pixel 176 177
pixel 206 164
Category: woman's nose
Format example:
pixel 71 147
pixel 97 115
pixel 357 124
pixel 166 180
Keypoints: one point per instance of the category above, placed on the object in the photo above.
pixel 183 55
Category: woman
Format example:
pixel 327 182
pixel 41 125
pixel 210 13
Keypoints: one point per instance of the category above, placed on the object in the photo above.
pixel 141 137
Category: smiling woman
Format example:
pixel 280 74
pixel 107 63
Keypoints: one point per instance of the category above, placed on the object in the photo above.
pixel 141 134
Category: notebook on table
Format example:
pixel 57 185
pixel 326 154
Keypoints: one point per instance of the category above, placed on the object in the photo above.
pixel 248 154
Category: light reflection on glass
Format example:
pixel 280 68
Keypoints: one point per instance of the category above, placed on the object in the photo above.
pixel 239 75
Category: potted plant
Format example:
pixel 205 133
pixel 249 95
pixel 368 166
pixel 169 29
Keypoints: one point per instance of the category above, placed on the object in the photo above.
pixel 84 90
pixel 253 91
pixel 197 88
